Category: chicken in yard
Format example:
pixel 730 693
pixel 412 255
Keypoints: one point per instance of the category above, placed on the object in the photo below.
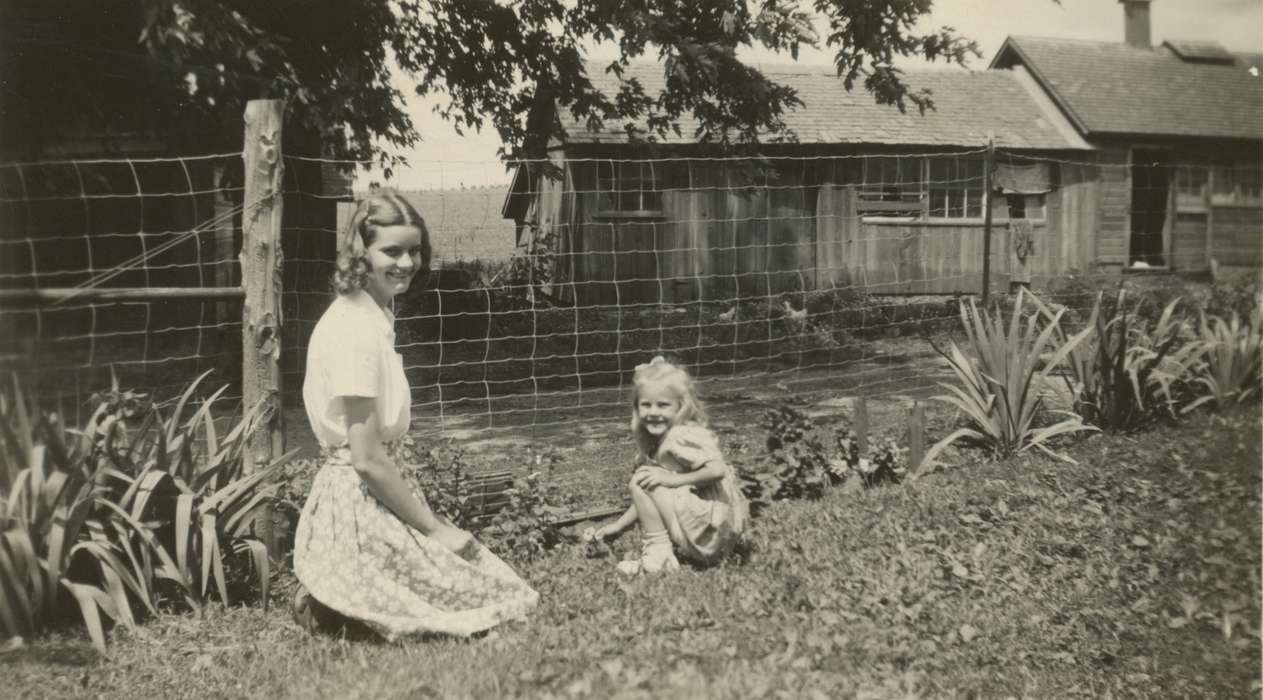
pixel 795 315
pixel 728 315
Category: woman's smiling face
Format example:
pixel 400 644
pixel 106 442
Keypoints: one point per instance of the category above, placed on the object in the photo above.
pixel 394 258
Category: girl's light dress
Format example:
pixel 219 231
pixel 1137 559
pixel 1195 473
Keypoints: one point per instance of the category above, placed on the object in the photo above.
pixel 709 518
pixel 352 553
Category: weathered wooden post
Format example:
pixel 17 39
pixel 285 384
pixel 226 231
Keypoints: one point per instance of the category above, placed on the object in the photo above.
pixel 1209 203
pixel 861 425
pixel 916 438
pixel 261 259
pixel 224 230
pixel 988 164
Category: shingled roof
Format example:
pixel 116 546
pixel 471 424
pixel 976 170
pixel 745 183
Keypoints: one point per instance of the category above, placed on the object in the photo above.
pixel 968 107
pixel 1114 88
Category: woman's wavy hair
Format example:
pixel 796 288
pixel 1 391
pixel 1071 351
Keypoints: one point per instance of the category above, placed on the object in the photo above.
pixel 379 209
pixel 660 370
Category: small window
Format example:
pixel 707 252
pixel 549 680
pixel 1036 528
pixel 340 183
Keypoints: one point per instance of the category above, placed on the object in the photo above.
pixel 1190 188
pixel 891 187
pixel 1239 184
pixel 629 187
pixel 1025 206
pixel 956 188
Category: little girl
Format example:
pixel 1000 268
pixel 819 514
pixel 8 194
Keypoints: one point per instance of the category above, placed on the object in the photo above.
pixel 682 490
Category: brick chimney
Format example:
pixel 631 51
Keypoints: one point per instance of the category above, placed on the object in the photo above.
pixel 1136 24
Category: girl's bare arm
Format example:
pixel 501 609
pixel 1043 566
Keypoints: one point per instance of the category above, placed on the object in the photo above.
pixel 648 477
pixel 626 520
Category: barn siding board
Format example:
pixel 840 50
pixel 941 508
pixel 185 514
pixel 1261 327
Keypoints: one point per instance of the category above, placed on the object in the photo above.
pixel 791 249
pixel 718 239
pixel 1238 235
pixel 1115 204
pixel 680 254
pixel 833 225
pixel 747 213
pixel 1188 241
pixel 721 232
pixel 1066 240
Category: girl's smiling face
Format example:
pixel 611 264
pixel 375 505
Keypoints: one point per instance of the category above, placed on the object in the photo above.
pixel 656 406
pixel 394 258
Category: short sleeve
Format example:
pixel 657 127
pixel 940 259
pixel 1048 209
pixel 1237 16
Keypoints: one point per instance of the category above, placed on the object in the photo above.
pixel 353 368
pixel 692 446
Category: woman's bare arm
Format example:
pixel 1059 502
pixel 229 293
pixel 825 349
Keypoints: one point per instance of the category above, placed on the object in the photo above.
pixel 378 472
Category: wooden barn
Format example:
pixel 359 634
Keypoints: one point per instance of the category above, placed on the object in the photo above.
pixel 866 197
pixel 1178 135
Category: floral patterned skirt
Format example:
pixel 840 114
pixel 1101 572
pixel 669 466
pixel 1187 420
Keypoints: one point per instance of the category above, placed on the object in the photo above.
pixel 356 557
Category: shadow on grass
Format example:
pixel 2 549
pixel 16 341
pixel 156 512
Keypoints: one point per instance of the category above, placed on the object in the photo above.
pixel 64 653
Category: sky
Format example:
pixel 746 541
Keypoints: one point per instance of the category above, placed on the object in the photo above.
pixel 445 159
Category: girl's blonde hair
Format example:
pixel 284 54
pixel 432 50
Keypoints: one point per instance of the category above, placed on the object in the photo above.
pixel 659 370
pixel 379 209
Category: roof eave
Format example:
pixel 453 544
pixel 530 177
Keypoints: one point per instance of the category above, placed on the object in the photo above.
pixel 1067 145
pixel 508 208
pixel 1011 45
pixel 1153 135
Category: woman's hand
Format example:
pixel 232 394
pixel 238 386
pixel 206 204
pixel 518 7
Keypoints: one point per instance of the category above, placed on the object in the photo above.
pixel 457 541
pixel 648 477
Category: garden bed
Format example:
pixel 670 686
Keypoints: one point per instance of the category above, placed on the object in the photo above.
pixel 1133 573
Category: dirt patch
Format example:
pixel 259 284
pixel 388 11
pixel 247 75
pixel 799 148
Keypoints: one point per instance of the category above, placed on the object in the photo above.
pixel 893 372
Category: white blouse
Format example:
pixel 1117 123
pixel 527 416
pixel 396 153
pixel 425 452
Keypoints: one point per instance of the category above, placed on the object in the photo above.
pixel 352 353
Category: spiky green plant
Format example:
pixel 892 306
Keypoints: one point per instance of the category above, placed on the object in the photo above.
pixel 999 389
pixel 147 504
pixel 1125 374
pixel 1231 360
pixel 55 541
pixel 193 481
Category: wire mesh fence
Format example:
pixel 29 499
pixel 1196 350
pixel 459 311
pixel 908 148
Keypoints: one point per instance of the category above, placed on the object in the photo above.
pixel 810 279
pixel 91 228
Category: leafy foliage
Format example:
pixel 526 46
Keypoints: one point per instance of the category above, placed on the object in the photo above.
pixel 1146 547
pixel 1239 296
pixel 802 460
pixel 132 505
pixel 192 64
pixel 885 462
pixel 798 458
pixel 530 270
pixel 526 527
pixel 999 390
pixel 521 523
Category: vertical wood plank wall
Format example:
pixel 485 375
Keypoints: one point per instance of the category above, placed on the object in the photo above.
pixel 716 240
pixel 1238 236
pixel 1113 236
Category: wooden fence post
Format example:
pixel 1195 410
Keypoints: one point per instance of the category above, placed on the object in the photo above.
pixel 916 438
pixel 988 164
pixel 861 425
pixel 261 258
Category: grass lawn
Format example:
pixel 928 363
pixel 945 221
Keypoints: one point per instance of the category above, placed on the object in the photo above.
pixel 1133 573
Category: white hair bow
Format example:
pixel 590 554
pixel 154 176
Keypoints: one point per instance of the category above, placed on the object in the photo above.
pixel 657 360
